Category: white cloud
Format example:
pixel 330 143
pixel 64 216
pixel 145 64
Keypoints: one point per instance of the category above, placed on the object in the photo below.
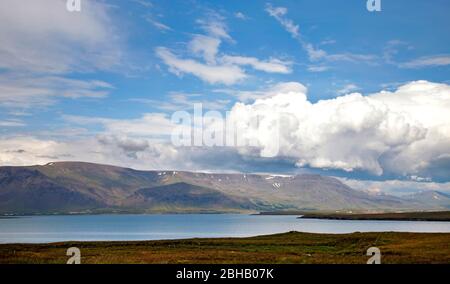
pixel 217 68
pixel 399 187
pixel 250 96
pixel 328 42
pixel 215 27
pixel 213 74
pixel 427 61
pixel 318 68
pixel 144 3
pixel 241 16
pixel 19 151
pixel 314 53
pixel 41 42
pixel 278 13
pixel 392 48
pixel 352 57
pixel 37 91
pixel 182 101
pixel 348 89
pixel 403 132
pixel 11 123
pixel 160 26
pixel 206 47
pixel 148 126
pixel 270 66
pixel 113 150
pixel 42 36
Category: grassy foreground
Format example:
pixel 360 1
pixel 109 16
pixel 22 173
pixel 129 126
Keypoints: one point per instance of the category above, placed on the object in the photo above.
pixel 282 248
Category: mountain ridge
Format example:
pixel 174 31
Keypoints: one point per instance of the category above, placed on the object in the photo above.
pixel 67 187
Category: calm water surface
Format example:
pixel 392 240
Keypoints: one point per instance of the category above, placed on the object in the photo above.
pixel 43 229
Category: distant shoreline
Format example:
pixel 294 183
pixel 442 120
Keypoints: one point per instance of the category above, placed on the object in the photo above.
pixel 127 213
pixel 438 216
pixel 11 217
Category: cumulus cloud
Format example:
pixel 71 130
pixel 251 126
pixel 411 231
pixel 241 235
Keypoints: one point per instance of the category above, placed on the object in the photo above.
pixel 120 150
pixel 402 132
pixel 348 89
pixel 19 151
pixel 131 147
pixel 248 96
pixel 125 151
pixel 113 150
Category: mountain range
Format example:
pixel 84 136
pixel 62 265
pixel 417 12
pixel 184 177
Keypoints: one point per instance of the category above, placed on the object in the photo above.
pixel 75 187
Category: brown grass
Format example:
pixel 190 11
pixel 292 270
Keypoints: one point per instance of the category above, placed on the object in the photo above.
pixel 283 248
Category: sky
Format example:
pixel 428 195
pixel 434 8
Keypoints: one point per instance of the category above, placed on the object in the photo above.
pixel 336 89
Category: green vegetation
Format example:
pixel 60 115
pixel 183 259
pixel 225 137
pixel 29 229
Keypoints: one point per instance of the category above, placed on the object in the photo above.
pixel 290 247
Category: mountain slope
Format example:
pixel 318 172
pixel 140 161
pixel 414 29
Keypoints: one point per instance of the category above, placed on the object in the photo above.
pixel 291 192
pixel 25 191
pixel 72 186
pixel 186 197
pixel 106 184
pixel 430 199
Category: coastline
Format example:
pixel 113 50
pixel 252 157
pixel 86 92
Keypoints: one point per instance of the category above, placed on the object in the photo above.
pixel 434 216
pixel 441 216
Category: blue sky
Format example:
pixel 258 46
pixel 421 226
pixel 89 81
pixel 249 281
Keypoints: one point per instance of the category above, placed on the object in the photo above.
pixel 335 26
pixel 115 62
